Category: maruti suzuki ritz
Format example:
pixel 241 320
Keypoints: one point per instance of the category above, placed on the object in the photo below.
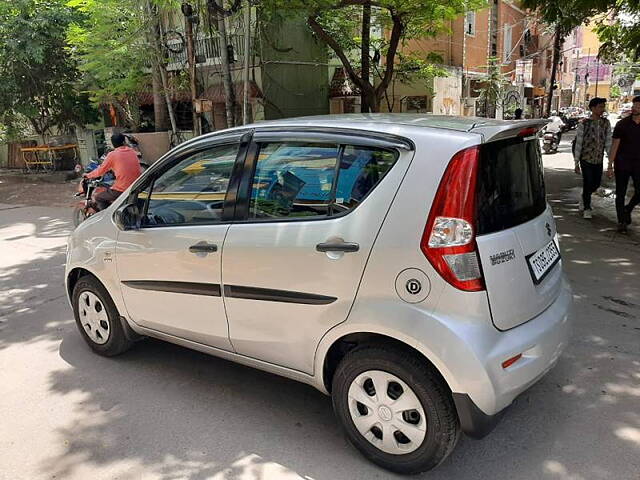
pixel 406 265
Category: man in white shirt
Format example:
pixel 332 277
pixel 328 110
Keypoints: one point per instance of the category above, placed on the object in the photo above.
pixel 555 125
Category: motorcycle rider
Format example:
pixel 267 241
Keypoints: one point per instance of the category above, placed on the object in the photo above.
pixel 555 125
pixel 123 162
pixel 593 139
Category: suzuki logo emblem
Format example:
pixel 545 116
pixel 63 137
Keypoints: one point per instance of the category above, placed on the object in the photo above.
pixel 548 227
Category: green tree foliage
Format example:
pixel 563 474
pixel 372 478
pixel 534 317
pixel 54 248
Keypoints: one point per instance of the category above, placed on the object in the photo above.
pixel 620 38
pixel 338 23
pixel 617 22
pixel 563 15
pixel 493 87
pixel 38 73
pixel 109 41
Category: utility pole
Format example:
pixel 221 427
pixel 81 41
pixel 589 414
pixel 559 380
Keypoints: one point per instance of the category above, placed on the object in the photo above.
pixel 225 47
pixel 575 81
pixel 597 75
pixel 554 68
pixel 187 11
pixel 586 77
pixel 365 59
pixel 247 58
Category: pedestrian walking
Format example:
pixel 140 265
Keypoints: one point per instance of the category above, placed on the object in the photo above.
pixel 625 163
pixel 593 138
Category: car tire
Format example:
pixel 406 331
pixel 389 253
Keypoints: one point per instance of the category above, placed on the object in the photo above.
pixel 79 216
pixel 98 319
pixel 436 414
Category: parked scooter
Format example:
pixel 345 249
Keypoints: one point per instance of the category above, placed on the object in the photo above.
pixel 550 142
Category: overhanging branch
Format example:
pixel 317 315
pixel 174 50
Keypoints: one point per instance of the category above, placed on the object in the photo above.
pixel 394 41
pixel 329 40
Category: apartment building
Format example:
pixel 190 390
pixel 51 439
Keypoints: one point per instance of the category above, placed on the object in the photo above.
pixel 288 70
pixel 503 31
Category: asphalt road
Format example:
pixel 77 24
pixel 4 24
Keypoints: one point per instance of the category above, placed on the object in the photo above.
pixel 165 412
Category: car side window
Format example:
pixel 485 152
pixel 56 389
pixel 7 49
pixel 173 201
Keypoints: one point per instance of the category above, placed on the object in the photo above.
pixel 302 180
pixel 293 180
pixel 361 169
pixel 192 191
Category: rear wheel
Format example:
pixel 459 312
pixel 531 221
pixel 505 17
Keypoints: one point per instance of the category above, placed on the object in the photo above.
pixel 97 318
pixel 395 409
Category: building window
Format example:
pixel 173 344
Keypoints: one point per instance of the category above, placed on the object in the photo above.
pixel 470 24
pixel 507 43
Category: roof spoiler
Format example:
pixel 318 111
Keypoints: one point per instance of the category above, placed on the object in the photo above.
pixel 517 128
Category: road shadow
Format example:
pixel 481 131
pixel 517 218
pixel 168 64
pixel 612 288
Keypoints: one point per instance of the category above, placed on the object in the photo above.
pixel 31 272
pixel 170 412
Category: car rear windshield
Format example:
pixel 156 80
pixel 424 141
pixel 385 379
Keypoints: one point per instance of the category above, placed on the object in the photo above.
pixel 510 184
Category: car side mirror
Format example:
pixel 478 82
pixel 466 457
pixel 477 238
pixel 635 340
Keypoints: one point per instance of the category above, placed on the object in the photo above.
pixel 127 217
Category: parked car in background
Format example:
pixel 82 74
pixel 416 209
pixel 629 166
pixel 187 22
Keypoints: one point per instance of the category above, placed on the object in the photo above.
pixel 406 265
pixel 625 110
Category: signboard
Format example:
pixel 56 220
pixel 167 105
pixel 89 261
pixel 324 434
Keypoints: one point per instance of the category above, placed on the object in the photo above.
pixel 593 69
pixel 524 71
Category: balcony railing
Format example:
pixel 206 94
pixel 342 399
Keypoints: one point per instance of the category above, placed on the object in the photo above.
pixel 207 50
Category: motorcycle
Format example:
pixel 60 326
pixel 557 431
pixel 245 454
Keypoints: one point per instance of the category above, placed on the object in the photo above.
pixel 550 142
pixel 89 188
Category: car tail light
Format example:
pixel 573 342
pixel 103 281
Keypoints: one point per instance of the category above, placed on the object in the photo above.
pixel 448 240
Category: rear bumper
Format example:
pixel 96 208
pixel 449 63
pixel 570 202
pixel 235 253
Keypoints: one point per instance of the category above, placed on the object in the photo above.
pixel 541 341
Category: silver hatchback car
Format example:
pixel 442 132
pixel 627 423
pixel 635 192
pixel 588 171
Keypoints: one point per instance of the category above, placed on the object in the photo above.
pixel 408 266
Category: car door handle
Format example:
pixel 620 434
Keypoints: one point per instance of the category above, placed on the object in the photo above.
pixel 203 247
pixel 347 247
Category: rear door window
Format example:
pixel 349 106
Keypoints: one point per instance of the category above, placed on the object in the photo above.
pixel 305 180
pixel 511 187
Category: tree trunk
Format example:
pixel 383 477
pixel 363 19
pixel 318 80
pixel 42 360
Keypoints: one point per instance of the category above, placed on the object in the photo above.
pixel 365 59
pixel 364 84
pixel 394 41
pixel 156 45
pixel 160 114
pixel 191 57
pixel 554 68
pixel 375 101
pixel 227 82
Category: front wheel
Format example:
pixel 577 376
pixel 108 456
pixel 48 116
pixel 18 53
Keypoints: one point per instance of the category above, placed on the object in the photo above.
pixel 79 215
pixel 547 148
pixel 395 409
pixel 97 318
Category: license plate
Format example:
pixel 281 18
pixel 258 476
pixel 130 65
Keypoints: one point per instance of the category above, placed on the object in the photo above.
pixel 542 261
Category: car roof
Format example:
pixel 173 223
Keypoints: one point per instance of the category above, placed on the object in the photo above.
pixel 450 122
pixel 489 128
pixel 397 124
